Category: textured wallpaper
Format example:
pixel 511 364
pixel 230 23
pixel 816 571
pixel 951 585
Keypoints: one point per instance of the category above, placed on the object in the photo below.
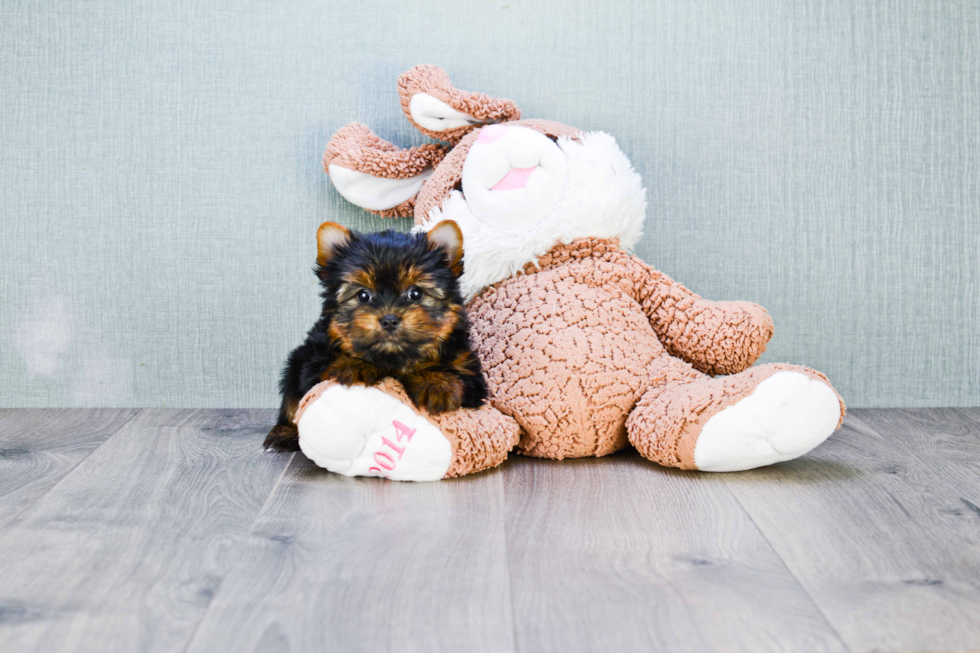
pixel 160 180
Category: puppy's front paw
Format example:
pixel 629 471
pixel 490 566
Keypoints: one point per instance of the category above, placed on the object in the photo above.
pixel 352 371
pixel 436 392
pixel 282 437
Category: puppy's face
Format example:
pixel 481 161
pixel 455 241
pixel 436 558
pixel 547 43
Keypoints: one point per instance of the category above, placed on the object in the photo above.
pixel 394 297
pixel 393 308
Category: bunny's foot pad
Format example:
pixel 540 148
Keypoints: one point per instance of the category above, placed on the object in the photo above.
pixel 362 431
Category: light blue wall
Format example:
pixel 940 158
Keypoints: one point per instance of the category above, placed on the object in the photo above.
pixel 160 181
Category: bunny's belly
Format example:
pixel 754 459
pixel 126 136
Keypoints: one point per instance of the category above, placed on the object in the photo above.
pixel 566 359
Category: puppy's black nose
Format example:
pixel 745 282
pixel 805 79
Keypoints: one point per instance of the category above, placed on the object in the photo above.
pixel 390 322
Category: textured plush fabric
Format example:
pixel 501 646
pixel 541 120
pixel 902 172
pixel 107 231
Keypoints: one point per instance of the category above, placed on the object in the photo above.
pixel 357 148
pixel 435 82
pixel 677 403
pixel 570 346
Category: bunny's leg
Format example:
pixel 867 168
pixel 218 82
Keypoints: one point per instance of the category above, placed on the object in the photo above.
pixel 376 431
pixel 761 416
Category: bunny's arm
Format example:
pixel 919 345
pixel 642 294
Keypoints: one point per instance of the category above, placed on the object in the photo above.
pixel 714 337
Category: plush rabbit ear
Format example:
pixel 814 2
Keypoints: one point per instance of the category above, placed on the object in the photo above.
pixel 376 175
pixel 440 110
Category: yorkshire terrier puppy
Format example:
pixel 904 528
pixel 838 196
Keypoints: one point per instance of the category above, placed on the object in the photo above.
pixel 391 308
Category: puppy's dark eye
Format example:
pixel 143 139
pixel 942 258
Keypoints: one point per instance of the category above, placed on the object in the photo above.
pixel 363 296
pixel 414 294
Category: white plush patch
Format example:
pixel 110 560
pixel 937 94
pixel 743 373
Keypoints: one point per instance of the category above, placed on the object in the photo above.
pixel 488 162
pixel 435 115
pixel 598 194
pixel 359 431
pixel 786 416
pixel 375 193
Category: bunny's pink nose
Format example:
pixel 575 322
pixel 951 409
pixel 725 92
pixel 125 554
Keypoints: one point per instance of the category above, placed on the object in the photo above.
pixel 490 133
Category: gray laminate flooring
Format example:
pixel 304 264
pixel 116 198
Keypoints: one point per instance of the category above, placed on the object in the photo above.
pixel 171 530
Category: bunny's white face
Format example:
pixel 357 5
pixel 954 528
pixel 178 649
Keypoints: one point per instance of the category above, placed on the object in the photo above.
pixel 523 193
pixel 513 177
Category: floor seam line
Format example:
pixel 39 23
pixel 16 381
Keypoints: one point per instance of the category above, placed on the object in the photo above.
pixel 510 584
pixel 786 566
pixel 240 551
pixel 15 518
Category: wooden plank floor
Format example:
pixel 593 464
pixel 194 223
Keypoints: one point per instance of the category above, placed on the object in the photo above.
pixel 170 530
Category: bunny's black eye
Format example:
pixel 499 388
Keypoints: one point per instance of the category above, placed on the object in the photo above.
pixel 414 294
pixel 363 296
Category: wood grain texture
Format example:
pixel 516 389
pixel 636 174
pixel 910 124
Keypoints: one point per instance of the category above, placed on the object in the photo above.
pixel 934 442
pixel 619 554
pixel 339 564
pixel 179 533
pixel 127 551
pixel 971 414
pixel 38 447
pixel 879 526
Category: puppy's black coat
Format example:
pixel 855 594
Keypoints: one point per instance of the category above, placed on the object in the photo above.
pixel 391 308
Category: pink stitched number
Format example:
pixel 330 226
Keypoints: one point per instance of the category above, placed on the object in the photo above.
pixel 402 431
pixel 381 454
pixel 399 450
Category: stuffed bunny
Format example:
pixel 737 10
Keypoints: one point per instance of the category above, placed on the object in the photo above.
pixel 586 348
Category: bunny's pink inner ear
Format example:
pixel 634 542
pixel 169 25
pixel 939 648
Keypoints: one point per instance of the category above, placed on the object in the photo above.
pixel 377 175
pixel 440 110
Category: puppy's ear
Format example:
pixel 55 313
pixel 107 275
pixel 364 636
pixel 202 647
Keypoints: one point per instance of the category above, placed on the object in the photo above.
pixel 329 237
pixel 447 236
